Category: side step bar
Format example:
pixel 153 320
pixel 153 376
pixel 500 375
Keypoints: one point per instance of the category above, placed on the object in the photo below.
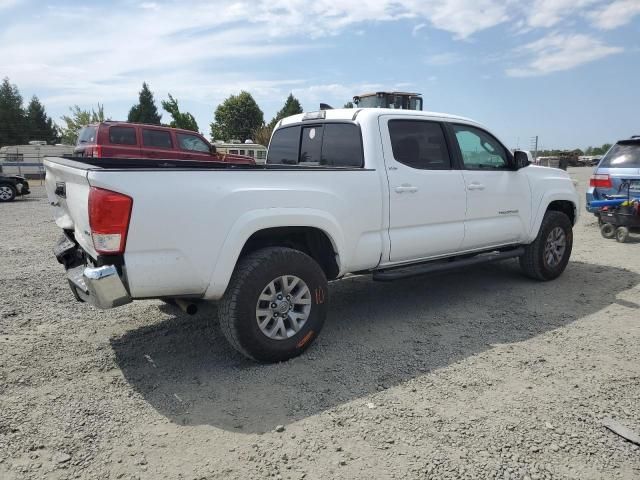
pixel 443 266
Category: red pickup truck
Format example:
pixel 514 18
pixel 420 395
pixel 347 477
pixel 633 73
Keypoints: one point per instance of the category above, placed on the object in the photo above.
pixel 135 140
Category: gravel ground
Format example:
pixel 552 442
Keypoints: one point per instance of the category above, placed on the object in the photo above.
pixel 478 374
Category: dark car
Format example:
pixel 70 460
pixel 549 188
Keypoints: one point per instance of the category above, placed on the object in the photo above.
pixel 135 140
pixel 12 186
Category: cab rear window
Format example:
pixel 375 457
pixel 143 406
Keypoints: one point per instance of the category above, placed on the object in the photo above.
pixel 326 144
pixel 622 155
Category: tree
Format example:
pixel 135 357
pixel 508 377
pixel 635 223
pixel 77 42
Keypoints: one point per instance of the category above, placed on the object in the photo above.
pixel 348 105
pixel 78 119
pixel 12 117
pixel 145 111
pixel 291 107
pixel 39 125
pixel 236 118
pixel 180 120
pixel 262 135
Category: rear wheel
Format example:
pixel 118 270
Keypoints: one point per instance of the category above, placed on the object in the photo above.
pixel 622 234
pixel 548 255
pixel 7 192
pixel 607 230
pixel 275 304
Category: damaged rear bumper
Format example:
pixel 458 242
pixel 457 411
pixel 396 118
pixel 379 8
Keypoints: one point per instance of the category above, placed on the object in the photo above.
pixel 101 286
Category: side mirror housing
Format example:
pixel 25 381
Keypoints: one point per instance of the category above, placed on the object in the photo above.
pixel 213 149
pixel 521 159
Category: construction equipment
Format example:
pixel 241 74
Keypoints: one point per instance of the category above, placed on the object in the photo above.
pixel 398 100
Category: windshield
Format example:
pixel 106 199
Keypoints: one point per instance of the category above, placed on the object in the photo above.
pixel 622 155
pixel 87 135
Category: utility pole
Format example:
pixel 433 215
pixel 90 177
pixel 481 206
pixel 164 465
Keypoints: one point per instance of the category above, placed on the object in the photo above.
pixel 534 147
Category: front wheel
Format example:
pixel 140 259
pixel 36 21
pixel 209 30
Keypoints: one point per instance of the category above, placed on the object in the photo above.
pixel 275 304
pixel 548 255
pixel 7 192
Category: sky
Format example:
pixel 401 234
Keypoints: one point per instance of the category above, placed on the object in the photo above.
pixel 565 70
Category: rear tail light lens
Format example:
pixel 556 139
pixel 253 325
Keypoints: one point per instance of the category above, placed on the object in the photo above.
pixel 600 181
pixel 109 215
pixel 95 151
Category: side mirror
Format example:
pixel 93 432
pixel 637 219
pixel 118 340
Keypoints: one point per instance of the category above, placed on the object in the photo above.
pixel 213 149
pixel 521 159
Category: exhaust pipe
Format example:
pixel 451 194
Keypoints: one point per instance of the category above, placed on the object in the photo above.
pixel 187 307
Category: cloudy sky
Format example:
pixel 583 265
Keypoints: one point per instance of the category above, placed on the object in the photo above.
pixel 566 70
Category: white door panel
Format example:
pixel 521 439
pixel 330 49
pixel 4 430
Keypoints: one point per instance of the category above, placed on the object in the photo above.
pixel 498 197
pixel 498 207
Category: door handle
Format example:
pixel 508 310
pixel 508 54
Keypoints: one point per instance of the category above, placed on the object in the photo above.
pixel 475 186
pixel 405 188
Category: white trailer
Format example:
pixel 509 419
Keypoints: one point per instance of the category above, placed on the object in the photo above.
pixel 26 160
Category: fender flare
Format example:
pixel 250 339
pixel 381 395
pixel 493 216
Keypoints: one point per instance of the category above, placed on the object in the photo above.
pixel 543 206
pixel 256 220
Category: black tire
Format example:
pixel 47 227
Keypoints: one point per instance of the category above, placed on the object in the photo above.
pixel 607 230
pixel 622 234
pixel 534 262
pixel 8 193
pixel 237 309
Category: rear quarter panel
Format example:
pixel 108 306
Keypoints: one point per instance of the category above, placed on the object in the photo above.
pixel 188 227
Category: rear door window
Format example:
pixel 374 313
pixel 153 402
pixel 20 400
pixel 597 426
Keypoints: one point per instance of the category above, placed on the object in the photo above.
pixel 156 138
pixel 419 144
pixel 622 155
pixel 122 135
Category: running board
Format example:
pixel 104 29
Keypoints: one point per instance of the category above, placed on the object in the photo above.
pixel 443 266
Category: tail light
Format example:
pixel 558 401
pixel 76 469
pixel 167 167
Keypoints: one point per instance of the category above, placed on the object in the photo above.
pixel 95 151
pixel 600 181
pixel 109 215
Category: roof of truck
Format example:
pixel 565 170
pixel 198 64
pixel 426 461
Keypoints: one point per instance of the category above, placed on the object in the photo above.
pixel 354 113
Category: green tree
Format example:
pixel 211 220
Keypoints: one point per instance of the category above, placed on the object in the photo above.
pixel 262 135
pixel 78 119
pixel 180 120
pixel 236 118
pixel 145 111
pixel 291 107
pixel 604 148
pixel 39 125
pixel 12 116
pixel 348 105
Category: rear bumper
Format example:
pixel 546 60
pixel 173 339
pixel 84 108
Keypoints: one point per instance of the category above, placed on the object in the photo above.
pixel 590 198
pixel 102 287
pixel 23 188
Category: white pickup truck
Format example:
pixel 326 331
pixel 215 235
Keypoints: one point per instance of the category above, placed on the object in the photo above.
pixel 390 193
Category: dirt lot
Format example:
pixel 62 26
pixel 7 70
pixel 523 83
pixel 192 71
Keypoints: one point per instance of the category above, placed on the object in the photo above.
pixel 478 374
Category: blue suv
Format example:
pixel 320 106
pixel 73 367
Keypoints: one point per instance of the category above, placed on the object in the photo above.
pixel 618 173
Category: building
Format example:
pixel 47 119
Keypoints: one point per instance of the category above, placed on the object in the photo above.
pixel 254 150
